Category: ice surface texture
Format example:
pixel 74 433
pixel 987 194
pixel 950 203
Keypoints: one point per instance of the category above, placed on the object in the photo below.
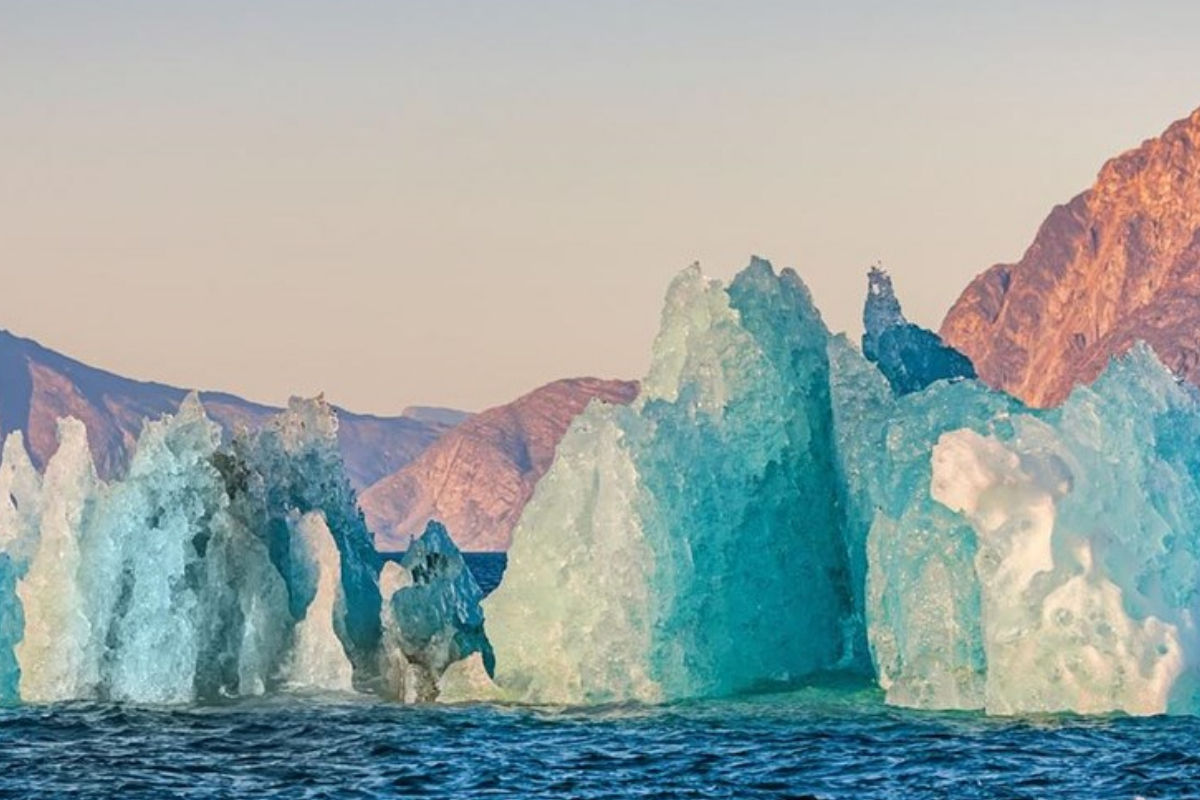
pixel 432 617
pixel 774 505
pixel 1023 560
pixel 209 570
pixel 909 356
pixel 688 544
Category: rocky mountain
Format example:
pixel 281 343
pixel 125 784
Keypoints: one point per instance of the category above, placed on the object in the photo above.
pixel 38 385
pixel 477 478
pixel 437 414
pixel 471 472
pixel 1117 264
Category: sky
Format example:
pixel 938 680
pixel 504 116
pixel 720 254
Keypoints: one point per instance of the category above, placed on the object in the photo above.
pixel 451 203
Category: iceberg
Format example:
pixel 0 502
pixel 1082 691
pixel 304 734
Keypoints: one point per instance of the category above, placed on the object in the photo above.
pixel 209 570
pixel 921 602
pixel 317 660
pixel 1087 522
pixel 689 544
pixel 775 505
pixel 53 648
pixel 142 554
pixel 909 356
pixel 432 616
pixel 20 498
pixel 292 466
pixel 1022 560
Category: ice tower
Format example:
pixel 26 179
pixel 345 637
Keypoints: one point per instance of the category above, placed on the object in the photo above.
pixel 688 545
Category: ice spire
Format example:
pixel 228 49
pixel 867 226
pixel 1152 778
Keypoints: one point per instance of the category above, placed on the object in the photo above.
pixel 909 356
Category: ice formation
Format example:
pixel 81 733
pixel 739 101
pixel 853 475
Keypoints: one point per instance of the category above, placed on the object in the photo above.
pixel 689 544
pixel 1024 560
pixel 20 498
pixel 775 504
pixel 913 556
pixel 909 356
pixel 317 659
pixel 1087 522
pixel 56 629
pixel 211 569
pixel 431 617
pixel 292 466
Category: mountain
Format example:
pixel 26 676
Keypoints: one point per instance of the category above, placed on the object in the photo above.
pixel 477 478
pixel 471 472
pixel 1117 264
pixel 38 385
pixel 437 414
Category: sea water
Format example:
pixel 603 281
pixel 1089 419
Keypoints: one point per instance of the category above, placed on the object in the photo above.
pixel 827 743
pixel 837 740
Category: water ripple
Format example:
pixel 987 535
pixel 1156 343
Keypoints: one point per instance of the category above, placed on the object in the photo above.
pixel 823 745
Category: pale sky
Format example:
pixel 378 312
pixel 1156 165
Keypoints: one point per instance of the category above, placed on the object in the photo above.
pixel 454 202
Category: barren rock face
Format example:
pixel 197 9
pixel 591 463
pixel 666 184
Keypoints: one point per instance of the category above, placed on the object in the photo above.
pixel 1118 264
pixel 476 478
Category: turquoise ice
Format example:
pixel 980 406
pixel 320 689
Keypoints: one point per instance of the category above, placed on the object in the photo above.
pixel 209 570
pixel 1022 560
pixel 432 615
pixel 689 544
pixel 773 507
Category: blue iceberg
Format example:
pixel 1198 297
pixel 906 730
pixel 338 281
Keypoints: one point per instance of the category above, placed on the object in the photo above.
pixel 778 504
pixel 209 570
pixel 1022 560
pixel 432 617
pixel 774 506
pixel 688 544
pixel 909 356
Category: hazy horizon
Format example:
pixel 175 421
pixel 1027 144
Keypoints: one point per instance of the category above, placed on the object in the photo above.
pixel 450 204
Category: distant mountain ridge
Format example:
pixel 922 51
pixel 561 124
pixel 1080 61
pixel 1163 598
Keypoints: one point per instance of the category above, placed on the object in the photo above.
pixel 477 478
pixel 436 414
pixel 1117 264
pixel 39 385
pixel 480 470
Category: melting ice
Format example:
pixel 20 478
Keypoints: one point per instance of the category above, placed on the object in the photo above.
pixel 688 544
pixel 777 504
pixel 209 570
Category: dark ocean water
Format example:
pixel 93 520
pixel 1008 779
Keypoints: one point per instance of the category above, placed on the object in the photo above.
pixel 831 742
